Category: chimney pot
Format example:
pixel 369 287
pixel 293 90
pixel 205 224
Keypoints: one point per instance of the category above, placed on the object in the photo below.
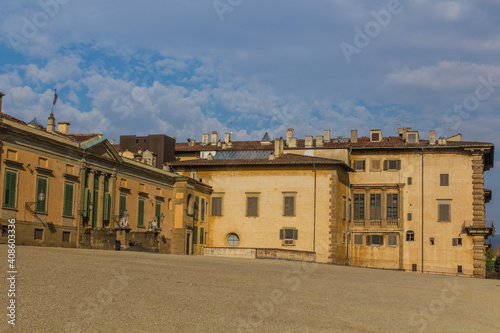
pixel 319 141
pixel 63 127
pixel 289 135
pixel 227 137
pixel 309 141
pixel 432 137
pixel 327 136
pixel 204 139
pixel 51 123
pixel 214 138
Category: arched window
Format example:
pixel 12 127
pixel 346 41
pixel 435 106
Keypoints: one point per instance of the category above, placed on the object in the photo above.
pixel 410 236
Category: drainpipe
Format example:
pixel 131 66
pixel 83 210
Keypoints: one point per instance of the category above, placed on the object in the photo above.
pixel 422 210
pixel 349 215
pixel 314 233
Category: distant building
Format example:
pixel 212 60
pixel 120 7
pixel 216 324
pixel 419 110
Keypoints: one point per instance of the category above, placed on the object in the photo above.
pixel 389 202
pixel 144 147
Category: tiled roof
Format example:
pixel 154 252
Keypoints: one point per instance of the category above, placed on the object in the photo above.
pixel 286 159
pixel 243 154
pixel 236 145
pixel 72 137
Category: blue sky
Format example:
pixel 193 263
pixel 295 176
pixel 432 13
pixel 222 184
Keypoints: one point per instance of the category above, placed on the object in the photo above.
pixel 186 67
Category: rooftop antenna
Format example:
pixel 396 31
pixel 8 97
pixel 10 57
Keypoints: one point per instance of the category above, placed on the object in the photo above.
pixel 402 121
pixel 55 100
pixel 449 127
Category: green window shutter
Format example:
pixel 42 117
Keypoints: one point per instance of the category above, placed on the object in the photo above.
pixel 123 205
pixel 94 209
pixel 96 181
pixel 107 207
pixel 106 183
pixel 158 213
pixel 140 214
pixel 195 235
pixel 41 187
pixel 196 207
pixel 9 194
pixel 202 235
pixel 87 178
pixel 86 197
pixel 217 206
pixel 68 200
pixel 203 209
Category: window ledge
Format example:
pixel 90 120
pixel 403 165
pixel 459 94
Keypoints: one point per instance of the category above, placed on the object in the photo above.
pixel 71 177
pixel 141 227
pixel 10 208
pixel 68 216
pixel 40 213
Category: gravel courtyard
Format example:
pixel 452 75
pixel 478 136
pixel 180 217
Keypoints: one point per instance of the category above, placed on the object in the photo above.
pixel 70 290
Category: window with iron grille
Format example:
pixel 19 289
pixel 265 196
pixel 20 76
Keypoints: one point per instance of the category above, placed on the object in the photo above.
pixel 375 240
pixel 252 205
pixel 66 236
pixel 359 206
pixel 392 240
pixel 444 179
pixel 457 242
pixel 358 239
pixel 359 165
pixel 38 234
pixel 444 211
pixel 375 206
pixel 10 187
pixel 410 236
pixel 392 206
pixel 289 236
pixel 217 206
pixel 41 187
pixel 289 205
pixel 414 267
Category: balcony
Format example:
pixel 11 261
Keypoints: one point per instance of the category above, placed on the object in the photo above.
pixel 376 224
pixel 479 230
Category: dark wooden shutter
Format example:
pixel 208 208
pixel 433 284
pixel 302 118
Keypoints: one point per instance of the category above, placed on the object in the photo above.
pixel 202 217
pixel 368 240
pixel 386 164
pixel 252 206
pixel 10 189
pixel 196 207
pixel 455 241
pixel 444 179
pixel 295 234
pixel 217 206
pixel 202 234
pixel 282 233
pixel 289 206
pixel 68 200
pixel 398 165
pixel 140 212
pixel 195 235
pixel 444 213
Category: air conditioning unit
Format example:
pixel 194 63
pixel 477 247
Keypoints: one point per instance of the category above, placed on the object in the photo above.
pixel 288 242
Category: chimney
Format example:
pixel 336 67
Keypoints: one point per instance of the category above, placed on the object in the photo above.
pixel 278 147
pixel 1 95
pixel 204 139
pixel 271 156
pixel 213 141
pixel 192 142
pixel 432 137
pixel 354 136
pixel 293 143
pixel 289 135
pixel 309 141
pixel 63 127
pixel 51 123
pixel 112 141
pixel 227 137
pixel 319 141
pixel 327 136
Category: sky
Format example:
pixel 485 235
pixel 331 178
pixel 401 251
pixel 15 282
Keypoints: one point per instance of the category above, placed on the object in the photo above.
pixel 187 67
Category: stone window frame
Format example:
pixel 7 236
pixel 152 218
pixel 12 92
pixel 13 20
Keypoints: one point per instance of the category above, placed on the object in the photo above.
pixel 252 195
pixel 383 189
pixel 219 196
pixel 393 237
pixel 289 240
pixel 410 236
pixel 355 164
pixel 289 195
pixel 440 217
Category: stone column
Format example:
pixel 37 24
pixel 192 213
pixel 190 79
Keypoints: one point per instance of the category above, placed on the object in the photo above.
pixel 478 212
pixel 112 192
pixel 100 200
pixel 91 196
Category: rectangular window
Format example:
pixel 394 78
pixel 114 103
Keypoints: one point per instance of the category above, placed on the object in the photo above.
pixel 9 193
pixel 217 206
pixel 444 179
pixel 289 236
pixel 459 269
pixel 140 213
pixel 68 199
pixel 123 205
pixel 392 240
pixel 376 165
pixel 358 239
pixel 196 207
pixel 375 240
pixel 375 137
pixel 410 181
pixel 457 242
pixel 444 211
pixel 409 216
pixel 392 206
pixel 359 165
pixel 359 206
pixel 431 241
pixel 158 213
pixel 202 233
pixel 376 206
pixel 195 235
pixel 412 138
pixel 343 238
pixel 289 205
pixel 252 205
pixel 41 187
pixel 38 234
pixel 344 209
pixel 66 236
pixel 202 217
pixel 392 165
pixel 414 267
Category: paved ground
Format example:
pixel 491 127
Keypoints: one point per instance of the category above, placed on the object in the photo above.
pixel 69 290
